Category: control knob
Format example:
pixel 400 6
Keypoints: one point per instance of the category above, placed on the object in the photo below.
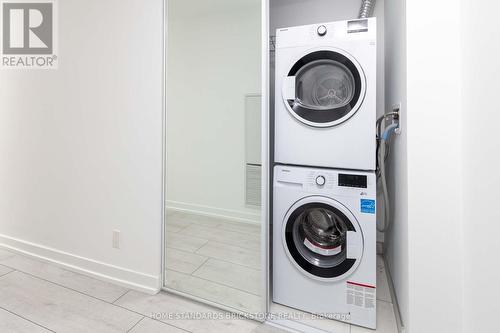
pixel 322 30
pixel 320 180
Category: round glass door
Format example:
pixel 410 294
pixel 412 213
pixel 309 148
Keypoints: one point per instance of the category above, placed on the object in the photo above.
pixel 327 88
pixel 317 236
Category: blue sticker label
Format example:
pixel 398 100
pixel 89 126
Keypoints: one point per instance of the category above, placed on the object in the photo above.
pixel 368 206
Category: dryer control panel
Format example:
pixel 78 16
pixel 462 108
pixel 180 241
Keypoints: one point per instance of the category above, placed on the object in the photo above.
pixel 352 30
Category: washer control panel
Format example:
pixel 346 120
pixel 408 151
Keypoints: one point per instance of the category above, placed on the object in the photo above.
pixel 321 179
pixel 326 181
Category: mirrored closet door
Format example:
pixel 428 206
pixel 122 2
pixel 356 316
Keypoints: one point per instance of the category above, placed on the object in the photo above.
pixel 213 225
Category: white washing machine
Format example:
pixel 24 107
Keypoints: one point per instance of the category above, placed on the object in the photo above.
pixel 325 98
pixel 324 243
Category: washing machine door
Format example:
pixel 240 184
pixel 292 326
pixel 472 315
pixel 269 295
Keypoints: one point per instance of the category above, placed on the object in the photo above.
pixel 322 238
pixel 324 88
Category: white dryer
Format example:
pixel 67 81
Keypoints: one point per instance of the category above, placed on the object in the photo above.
pixel 324 243
pixel 325 98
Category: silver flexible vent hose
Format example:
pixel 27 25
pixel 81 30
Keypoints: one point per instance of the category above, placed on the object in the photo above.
pixel 366 9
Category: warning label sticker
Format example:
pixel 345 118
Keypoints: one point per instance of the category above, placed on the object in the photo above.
pixel 360 295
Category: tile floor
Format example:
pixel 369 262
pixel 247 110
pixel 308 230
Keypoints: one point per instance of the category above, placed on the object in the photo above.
pixel 39 297
pixel 214 259
pixel 219 260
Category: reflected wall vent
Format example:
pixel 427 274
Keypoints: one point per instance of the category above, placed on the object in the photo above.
pixel 253 185
pixel 253 134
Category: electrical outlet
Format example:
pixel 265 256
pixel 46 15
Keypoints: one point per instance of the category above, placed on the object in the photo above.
pixel 116 239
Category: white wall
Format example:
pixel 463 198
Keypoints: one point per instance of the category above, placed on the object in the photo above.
pixel 396 240
pixel 213 61
pixel 452 72
pixel 81 146
pixel 434 134
pixel 481 163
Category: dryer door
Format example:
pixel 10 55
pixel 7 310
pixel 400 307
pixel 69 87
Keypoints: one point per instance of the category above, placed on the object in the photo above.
pixel 324 88
pixel 322 238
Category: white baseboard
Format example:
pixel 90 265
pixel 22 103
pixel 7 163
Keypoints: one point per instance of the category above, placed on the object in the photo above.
pixel 127 278
pixel 215 212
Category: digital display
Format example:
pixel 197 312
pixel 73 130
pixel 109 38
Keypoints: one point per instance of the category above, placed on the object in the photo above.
pixel 352 180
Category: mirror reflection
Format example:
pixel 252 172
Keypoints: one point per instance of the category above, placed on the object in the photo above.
pixel 213 224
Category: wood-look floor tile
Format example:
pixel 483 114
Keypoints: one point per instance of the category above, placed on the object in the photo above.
pixel 87 285
pixel 202 220
pixel 241 227
pixel 173 228
pixel 154 326
pixel 231 253
pixel 4 270
pixel 383 291
pixel 214 292
pixel 247 241
pixel 11 323
pixel 185 242
pixel 61 309
pixel 284 312
pixel 266 328
pixel 176 222
pixel 5 254
pixel 182 261
pixel 231 275
pixel 181 312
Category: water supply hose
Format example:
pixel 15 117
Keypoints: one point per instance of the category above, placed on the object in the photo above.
pixel 381 160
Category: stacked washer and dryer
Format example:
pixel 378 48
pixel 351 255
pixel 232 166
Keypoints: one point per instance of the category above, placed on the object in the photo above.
pixel 324 187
